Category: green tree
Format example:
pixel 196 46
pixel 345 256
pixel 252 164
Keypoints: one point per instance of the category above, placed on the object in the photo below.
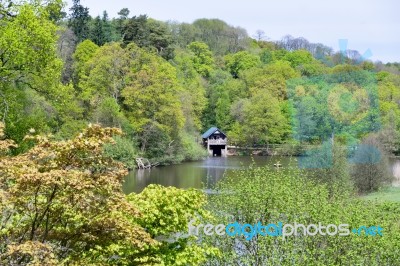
pixel 124 13
pixel 107 27
pixel 203 60
pixel 290 197
pixel 148 33
pixel 97 33
pixel 65 199
pixel 29 77
pixel 166 215
pixel 150 99
pixel 272 78
pixel 104 73
pixel 38 68
pixel 218 35
pixel 120 22
pixel 222 111
pixel 78 20
pixel 371 166
pixel 263 120
pixel 298 58
pixel 235 63
pixel 84 51
pixel 193 94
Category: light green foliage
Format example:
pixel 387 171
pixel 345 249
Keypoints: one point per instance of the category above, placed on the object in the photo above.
pixel 314 68
pixel 203 60
pixel 271 78
pixel 166 214
pixel 235 63
pixel 386 194
pixel 189 148
pixel 290 196
pixel 84 51
pixel 109 113
pixel 222 90
pixel 27 110
pixel 193 94
pixel 65 102
pixel 151 96
pixel 279 54
pixel 71 128
pixel 389 97
pixel 20 64
pixel 262 121
pixel 33 95
pixel 331 168
pixel 104 74
pixel 222 111
pixel 298 58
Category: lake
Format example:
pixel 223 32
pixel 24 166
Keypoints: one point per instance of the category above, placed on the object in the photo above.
pixel 204 174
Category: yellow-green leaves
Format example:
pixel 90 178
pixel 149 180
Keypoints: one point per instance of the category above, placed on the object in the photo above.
pixel 66 195
pixel 27 44
pixel 166 213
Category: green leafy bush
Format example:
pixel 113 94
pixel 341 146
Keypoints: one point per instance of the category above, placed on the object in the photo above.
pixel 165 215
pixel 190 149
pixel 123 150
pixel 288 196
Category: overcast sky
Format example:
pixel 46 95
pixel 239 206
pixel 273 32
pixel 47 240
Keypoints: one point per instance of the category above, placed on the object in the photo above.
pixel 367 24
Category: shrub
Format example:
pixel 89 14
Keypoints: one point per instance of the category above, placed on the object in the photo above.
pixel 190 149
pixel 123 150
pixel 371 166
pixel 270 196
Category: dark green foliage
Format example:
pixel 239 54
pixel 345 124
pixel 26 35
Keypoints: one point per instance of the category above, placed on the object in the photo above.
pixel 78 20
pixel 97 34
pixel 123 150
pixel 148 33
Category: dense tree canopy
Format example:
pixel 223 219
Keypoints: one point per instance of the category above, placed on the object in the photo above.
pixel 156 86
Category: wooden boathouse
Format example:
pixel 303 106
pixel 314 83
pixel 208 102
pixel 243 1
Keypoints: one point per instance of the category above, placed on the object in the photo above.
pixel 216 142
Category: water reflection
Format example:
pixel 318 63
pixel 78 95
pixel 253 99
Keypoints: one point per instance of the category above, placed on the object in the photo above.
pixel 206 173
pixel 396 172
pixel 198 174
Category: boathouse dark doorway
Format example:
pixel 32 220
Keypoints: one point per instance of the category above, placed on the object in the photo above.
pixel 217 149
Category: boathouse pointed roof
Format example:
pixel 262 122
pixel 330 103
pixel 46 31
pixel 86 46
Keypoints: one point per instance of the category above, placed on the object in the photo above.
pixel 211 131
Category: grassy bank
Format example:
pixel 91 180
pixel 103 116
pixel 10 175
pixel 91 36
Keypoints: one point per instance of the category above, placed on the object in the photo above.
pixel 391 194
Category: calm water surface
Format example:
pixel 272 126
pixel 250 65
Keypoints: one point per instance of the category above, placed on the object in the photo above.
pixel 204 174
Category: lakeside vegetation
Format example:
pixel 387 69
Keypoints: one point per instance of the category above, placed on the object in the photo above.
pixel 164 83
pixel 390 194
pixel 62 204
pixel 148 88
